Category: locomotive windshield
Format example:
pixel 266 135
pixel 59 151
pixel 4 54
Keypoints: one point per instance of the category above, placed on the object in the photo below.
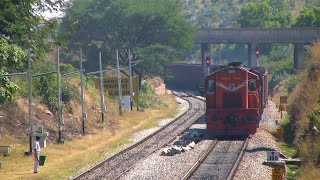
pixel 211 86
pixel 232 71
pixel 252 85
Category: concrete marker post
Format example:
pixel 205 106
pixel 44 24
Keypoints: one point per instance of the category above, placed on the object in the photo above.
pixel 119 84
pixel 30 102
pixel 82 95
pixel 103 107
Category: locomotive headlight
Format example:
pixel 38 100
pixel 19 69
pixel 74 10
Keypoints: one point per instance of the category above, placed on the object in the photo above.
pixel 214 118
pixel 231 120
pixel 247 118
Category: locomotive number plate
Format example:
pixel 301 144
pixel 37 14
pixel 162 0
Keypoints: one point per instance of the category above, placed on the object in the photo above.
pixel 230 78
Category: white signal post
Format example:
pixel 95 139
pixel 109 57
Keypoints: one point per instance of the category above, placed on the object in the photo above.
pixel 82 94
pixel 119 85
pixel 130 81
pixel 30 101
pixel 59 98
pixel 103 107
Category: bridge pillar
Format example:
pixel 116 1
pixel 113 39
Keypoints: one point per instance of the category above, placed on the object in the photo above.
pixel 252 58
pixel 205 52
pixel 298 55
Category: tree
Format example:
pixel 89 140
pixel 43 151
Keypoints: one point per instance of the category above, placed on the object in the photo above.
pixel 22 23
pixel 11 59
pixel 308 17
pixel 21 27
pixel 155 31
pixel 264 14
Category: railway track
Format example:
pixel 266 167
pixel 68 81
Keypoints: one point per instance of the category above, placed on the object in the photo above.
pixel 219 162
pixel 117 165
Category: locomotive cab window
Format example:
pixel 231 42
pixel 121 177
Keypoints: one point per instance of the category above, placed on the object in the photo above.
pixel 252 85
pixel 211 86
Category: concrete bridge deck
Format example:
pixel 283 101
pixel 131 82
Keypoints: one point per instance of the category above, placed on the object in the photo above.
pixel 249 35
pixel 254 36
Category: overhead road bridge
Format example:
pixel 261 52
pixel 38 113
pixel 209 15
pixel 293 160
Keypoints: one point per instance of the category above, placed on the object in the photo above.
pixel 254 36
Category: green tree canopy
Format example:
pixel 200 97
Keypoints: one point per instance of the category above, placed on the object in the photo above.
pixel 309 17
pixel 154 30
pixel 22 23
pixel 265 14
pixel 22 26
pixel 11 57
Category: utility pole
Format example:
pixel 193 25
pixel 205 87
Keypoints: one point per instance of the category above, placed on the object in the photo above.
pixel 82 94
pixel 30 102
pixel 59 97
pixel 130 81
pixel 119 85
pixel 103 107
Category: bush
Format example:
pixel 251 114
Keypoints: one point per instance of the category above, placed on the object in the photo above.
pixel 291 82
pixel 147 96
pixel 8 89
pixel 279 70
pixel 11 61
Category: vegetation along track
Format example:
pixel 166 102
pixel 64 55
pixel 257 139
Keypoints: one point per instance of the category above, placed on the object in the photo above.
pixel 123 161
pixel 220 161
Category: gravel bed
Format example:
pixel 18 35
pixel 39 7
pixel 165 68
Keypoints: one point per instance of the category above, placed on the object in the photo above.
pixel 256 153
pixel 183 106
pixel 167 167
pixel 173 167
pixel 113 167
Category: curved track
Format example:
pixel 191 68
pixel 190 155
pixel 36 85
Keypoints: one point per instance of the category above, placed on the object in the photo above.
pixel 115 166
pixel 219 162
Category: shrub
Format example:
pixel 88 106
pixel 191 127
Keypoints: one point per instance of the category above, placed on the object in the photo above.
pixel 279 70
pixel 147 96
pixel 291 82
pixel 7 89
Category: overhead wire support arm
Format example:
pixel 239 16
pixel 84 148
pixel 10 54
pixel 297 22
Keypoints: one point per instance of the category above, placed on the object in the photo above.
pixel 72 73
pixel 13 74
pixel 136 62
pixel 43 74
pixel 108 70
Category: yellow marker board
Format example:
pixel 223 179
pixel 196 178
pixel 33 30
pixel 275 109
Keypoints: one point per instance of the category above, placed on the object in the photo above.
pixel 111 85
pixel 280 132
pixel 278 173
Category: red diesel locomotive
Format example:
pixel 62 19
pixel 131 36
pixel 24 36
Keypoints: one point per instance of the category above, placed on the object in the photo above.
pixel 235 98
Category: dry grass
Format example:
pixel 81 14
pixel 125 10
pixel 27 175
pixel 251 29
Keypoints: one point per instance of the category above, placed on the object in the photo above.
pixel 66 160
pixel 304 102
pixel 309 172
pixel 307 92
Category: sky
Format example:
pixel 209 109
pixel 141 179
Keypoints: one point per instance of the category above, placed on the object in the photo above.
pixel 54 14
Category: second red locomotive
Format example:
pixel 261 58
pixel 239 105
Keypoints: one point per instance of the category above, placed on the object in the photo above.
pixel 235 98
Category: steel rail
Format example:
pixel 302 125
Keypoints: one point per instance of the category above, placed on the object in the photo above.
pixel 196 168
pixel 199 161
pixel 237 163
pixel 99 164
pixel 172 139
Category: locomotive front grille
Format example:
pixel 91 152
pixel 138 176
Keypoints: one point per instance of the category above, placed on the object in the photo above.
pixel 232 100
